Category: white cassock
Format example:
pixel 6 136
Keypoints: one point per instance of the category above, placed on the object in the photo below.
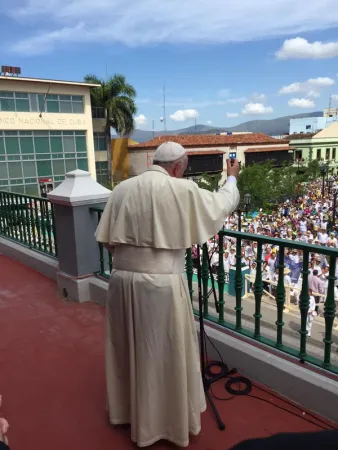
pixel 152 358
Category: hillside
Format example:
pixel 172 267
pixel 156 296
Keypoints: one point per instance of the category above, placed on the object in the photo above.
pixel 272 127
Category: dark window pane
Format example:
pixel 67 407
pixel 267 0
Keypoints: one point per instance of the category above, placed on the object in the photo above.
pixel 22 105
pixel 32 190
pixel 3 171
pixel 41 145
pixel 19 189
pixel 77 107
pixel 52 106
pixel 15 170
pixel 56 144
pixel 29 169
pixel 41 102
pixel 77 98
pixel 65 97
pixel 52 97
pixel 65 107
pixel 7 104
pixel 21 95
pixel 68 144
pixel 59 167
pixel 69 155
pixel 26 144
pixel 44 168
pixel 2 146
pixel 12 145
pixel 70 165
pixel 82 164
pixel 80 144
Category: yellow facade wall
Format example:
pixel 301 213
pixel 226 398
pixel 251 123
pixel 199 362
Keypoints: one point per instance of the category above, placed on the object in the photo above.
pixel 50 121
pixel 120 158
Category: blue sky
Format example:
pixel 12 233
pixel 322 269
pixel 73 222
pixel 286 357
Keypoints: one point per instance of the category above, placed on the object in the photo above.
pixel 222 62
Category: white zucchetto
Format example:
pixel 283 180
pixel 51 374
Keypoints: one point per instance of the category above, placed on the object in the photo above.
pixel 169 151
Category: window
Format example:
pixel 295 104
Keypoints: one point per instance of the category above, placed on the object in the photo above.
pixel 12 145
pixel 298 155
pixel 44 168
pixel 14 170
pixel 334 154
pixel 99 141
pixel 30 102
pixel 319 153
pixel 327 153
pixel 29 169
pixel 308 127
pixel 98 113
pixel 3 171
pixel 82 164
pixel 26 144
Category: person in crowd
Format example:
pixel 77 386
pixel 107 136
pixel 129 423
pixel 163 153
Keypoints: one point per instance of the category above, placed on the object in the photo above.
pixel 311 314
pixel 4 426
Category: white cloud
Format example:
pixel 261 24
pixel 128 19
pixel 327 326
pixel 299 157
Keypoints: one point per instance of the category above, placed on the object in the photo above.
pixel 237 100
pixel 231 115
pixel 299 48
pixel 209 122
pixel 291 88
pixel 260 98
pixel 313 94
pixel 310 86
pixel 256 108
pixel 49 24
pixel 321 81
pixel 182 115
pixel 140 119
pixel 301 103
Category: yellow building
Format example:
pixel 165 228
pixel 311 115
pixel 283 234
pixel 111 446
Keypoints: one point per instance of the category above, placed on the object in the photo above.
pixel 46 130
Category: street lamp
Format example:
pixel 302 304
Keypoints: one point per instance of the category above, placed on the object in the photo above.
pixel 335 192
pixel 329 184
pixel 323 169
pixel 247 201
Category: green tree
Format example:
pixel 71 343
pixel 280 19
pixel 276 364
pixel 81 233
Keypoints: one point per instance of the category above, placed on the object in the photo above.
pixel 117 97
pixel 209 182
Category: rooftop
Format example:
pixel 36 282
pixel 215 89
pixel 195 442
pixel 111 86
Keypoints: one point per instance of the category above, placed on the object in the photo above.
pixel 44 80
pixel 297 136
pixel 206 140
pixel 53 383
pixel 268 149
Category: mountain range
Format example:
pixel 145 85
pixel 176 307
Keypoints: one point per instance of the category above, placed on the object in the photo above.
pixel 272 127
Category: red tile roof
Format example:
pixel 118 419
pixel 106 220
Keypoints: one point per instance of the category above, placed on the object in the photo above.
pixel 206 152
pixel 206 140
pixel 267 149
pixel 297 136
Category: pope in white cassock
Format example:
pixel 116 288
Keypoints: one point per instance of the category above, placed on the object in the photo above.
pixel 152 358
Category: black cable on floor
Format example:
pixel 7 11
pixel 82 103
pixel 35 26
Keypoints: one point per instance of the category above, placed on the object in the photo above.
pixel 246 387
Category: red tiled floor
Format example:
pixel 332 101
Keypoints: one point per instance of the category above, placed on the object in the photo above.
pixel 52 377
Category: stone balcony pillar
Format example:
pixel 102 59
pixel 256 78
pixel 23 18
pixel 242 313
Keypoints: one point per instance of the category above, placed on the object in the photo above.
pixel 75 224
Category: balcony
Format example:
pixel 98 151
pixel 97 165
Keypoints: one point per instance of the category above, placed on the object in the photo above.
pixel 59 344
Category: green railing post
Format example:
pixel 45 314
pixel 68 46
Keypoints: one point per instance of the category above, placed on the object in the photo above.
pixel 23 219
pixel 329 313
pixel 258 291
pixel 280 297
pixel 54 230
pixel 304 305
pixel 14 218
pixel 221 278
pixel 37 225
pixel 32 221
pixel 189 270
pixel 110 262
pixel 238 284
pixel 205 279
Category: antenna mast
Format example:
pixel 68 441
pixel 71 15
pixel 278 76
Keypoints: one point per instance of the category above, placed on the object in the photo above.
pixel 164 113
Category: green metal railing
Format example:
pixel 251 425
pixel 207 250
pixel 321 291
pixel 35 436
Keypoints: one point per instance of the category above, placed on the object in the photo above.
pixel 329 305
pixel 237 325
pixel 106 260
pixel 29 221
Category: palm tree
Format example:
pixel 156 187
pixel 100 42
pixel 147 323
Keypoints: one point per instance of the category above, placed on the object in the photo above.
pixel 117 98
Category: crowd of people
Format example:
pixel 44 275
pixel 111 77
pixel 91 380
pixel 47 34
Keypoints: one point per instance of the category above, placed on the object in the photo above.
pixel 306 219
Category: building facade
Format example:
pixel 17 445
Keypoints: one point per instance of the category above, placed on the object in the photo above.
pixel 46 130
pixel 310 124
pixel 322 146
pixel 232 146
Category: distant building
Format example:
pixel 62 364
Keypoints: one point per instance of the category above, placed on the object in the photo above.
pixel 331 112
pixel 310 124
pixel 46 130
pixel 320 146
pixel 208 153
